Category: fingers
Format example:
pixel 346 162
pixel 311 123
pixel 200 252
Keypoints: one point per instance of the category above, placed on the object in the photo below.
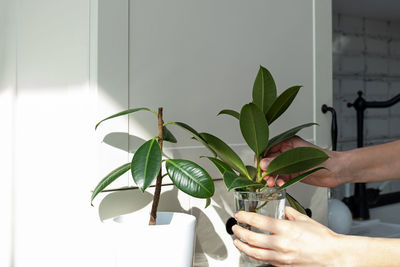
pixel 257 253
pixel 264 163
pixel 252 238
pixel 294 215
pixel 271 181
pixel 280 182
pixel 261 222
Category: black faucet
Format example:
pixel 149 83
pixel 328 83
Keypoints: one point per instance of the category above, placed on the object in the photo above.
pixel 360 204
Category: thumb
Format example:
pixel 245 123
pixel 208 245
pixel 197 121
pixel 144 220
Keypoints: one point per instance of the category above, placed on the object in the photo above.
pixel 265 162
pixel 294 215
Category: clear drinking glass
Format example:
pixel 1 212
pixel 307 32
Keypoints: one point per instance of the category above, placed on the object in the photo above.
pixel 270 202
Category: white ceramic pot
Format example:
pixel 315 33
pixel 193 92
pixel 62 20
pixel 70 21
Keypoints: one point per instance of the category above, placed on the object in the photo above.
pixel 169 243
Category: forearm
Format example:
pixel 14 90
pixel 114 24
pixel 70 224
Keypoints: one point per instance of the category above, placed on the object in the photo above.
pixel 367 251
pixel 370 164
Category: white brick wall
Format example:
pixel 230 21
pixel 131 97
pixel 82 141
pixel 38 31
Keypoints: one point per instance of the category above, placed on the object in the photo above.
pixel 376 65
pixel 394 88
pixel 352 64
pixel 394 29
pixel 376 46
pixel 350 24
pixel 366 57
pixel 394 66
pixel 376 27
pixel 395 48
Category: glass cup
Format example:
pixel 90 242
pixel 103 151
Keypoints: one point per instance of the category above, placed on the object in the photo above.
pixel 270 202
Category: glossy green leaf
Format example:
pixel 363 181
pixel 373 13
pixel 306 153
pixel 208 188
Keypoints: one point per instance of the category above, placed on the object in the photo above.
pixel 229 112
pixel 264 90
pixel 296 160
pixel 254 128
pixel 168 136
pixel 194 133
pixel 125 112
pixel 208 202
pixel 252 171
pixel 225 153
pixel 190 178
pixel 111 177
pixel 299 178
pixel 146 164
pixel 286 135
pixel 282 103
pixel 233 181
pixel 221 166
pixel 295 204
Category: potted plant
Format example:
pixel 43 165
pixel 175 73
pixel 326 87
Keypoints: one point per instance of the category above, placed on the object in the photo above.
pixel 251 192
pixel 145 168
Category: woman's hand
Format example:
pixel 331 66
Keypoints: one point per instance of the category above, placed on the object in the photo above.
pixel 298 241
pixel 325 178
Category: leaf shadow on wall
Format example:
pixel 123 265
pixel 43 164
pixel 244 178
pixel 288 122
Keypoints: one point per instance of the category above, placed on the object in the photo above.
pixel 119 203
pixel 121 140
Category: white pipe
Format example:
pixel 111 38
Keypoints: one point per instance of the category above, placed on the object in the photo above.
pixel 347 190
pixel 383 185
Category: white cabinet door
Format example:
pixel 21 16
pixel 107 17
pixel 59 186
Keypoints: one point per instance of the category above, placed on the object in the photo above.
pixel 195 58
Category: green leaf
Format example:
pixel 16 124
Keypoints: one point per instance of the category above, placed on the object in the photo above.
pixel 190 178
pixel 146 164
pixel 221 166
pixel 194 133
pixel 286 135
pixel 208 202
pixel 299 178
pixel 168 136
pixel 229 112
pixel 225 153
pixel 282 103
pixel 295 204
pixel 252 171
pixel 254 128
pixel 125 112
pixel 233 181
pixel 111 177
pixel 264 90
pixel 296 160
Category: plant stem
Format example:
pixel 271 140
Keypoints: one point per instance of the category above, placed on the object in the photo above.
pixel 157 192
pixel 258 177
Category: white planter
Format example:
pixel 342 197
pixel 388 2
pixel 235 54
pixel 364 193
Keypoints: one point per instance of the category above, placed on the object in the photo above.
pixel 169 243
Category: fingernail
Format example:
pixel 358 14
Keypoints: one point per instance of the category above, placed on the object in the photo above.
pixel 233 228
pixel 236 214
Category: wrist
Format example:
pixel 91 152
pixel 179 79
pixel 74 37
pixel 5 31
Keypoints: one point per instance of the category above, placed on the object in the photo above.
pixel 345 250
pixel 341 168
pixel 336 165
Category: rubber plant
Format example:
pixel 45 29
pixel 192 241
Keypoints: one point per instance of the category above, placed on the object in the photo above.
pixel 254 120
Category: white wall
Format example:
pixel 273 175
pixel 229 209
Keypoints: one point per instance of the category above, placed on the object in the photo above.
pixel 7 97
pixel 55 148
